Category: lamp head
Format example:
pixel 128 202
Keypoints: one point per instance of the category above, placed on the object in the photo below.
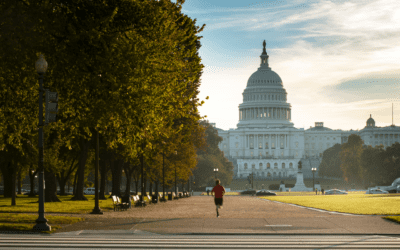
pixel 41 65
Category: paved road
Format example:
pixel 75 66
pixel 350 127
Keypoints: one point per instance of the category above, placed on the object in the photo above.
pixel 240 215
pixel 118 241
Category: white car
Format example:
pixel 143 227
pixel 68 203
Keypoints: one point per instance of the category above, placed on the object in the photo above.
pixel 376 191
pixel 89 191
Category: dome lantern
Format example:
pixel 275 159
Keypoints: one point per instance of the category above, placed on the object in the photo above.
pixel 370 122
pixel 264 57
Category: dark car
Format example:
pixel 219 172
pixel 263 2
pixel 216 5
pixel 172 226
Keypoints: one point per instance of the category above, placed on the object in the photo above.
pixel 335 191
pixel 265 193
pixel 248 191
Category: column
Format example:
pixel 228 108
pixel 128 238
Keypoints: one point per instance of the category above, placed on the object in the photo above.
pixel 269 144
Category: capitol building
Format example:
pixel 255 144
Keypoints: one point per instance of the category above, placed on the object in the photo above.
pixel 266 142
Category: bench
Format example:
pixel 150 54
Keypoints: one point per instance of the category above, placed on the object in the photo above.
pixel 135 199
pixel 118 204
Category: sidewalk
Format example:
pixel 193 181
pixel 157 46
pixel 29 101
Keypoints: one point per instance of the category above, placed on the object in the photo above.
pixel 240 215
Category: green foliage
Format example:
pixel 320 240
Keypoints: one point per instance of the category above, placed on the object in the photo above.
pixel 330 164
pixel 350 157
pixel 212 157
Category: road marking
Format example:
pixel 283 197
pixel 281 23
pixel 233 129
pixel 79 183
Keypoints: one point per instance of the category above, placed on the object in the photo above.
pixel 278 225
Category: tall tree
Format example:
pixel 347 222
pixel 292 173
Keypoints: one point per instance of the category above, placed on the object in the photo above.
pixel 350 157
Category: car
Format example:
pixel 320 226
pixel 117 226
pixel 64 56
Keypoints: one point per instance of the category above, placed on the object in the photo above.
pixel 89 191
pixel 376 191
pixel 264 192
pixel 248 191
pixel 334 191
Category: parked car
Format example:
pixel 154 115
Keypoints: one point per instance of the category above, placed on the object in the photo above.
pixel 376 191
pixel 264 192
pixel 248 191
pixel 89 191
pixel 334 191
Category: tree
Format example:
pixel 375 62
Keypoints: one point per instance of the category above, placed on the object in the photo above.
pixel 330 164
pixel 350 157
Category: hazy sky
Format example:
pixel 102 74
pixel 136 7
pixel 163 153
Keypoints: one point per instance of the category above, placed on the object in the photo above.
pixel 339 60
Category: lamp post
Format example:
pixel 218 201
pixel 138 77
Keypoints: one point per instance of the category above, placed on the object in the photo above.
pixel 313 171
pixel 96 209
pixel 41 222
pixel 215 171
pixel 142 203
pixel 176 190
pixel 163 198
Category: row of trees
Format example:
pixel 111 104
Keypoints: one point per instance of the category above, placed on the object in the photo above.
pixel 361 165
pixel 128 70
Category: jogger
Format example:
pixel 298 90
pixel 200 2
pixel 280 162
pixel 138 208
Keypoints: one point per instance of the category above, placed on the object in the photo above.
pixel 218 192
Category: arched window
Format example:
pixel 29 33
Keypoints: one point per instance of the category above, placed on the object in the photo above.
pixel 260 166
pixel 245 166
pixel 290 165
pixel 283 165
pixel 274 174
pixel 268 166
pixel 268 174
pixel 275 165
pixel 253 166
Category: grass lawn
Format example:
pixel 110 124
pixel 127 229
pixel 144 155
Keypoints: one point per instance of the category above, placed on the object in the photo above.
pixel 393 218
pixel 15 218
pixel 30 204
pixel 354 202
pixel 25 222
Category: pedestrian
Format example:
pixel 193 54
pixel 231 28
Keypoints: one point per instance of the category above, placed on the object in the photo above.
pixel 219 192
pixel 316 191
pixel 208 191
pixel 322 191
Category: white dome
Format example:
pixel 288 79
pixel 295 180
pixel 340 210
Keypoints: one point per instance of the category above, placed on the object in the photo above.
pixel 264 77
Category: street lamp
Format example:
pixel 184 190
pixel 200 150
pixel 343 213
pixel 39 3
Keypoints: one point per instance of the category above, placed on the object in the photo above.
pixel 313 171
pixel 142 203
pixel 41 222
pixel 215 171
pixel 176 190
pixel 96 209
pixel 163 176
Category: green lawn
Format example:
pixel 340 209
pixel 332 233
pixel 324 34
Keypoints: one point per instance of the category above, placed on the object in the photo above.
pixel 354 202
pixel 30 204
pixel 22 217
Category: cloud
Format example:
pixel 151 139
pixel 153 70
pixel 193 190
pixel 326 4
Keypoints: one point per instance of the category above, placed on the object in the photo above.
pixel 338 60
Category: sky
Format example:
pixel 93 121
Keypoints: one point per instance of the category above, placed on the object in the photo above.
pixel 339 60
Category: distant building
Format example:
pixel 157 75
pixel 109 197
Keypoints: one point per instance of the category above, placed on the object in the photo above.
pixel 267 144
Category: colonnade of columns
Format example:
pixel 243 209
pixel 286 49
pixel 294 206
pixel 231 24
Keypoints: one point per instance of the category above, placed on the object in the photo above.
pixel 265 113
pixel 274 141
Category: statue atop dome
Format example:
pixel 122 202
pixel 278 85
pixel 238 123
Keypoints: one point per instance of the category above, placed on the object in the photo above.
pixel 264 44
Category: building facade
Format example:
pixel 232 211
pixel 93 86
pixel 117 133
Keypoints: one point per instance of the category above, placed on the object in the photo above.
pixel 266 142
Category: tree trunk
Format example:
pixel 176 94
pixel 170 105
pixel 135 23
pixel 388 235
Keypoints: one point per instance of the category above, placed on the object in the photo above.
pixel 145 184
pixel 61 182
pixel 81 171
pixel 128 174
pixel 74 186
pixel 13 177
pixel 151 188
pixel 116 170
pixel 19 182
pixel 51 187
pixel 103 176
pixel 6 170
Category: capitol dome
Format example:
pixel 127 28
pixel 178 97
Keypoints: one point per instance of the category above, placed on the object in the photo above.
pixel 264 77
pixel 264 99
pixel 370 122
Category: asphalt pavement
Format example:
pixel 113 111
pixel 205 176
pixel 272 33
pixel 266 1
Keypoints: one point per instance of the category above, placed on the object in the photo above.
pixel 240 215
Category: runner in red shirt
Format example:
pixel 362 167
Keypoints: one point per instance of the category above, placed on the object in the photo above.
pixel 218 192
